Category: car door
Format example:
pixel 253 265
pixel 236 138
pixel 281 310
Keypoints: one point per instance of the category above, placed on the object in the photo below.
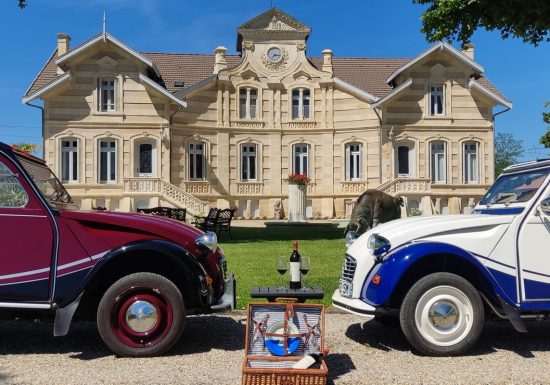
pixel 534 252
pixel 26 239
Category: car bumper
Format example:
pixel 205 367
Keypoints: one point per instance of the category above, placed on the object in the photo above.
pixel 228 301
pixel 352 305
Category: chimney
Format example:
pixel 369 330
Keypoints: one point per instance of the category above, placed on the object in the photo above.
pixel 220 63
pixel 327 60
pixel 62 47
pixel 468 50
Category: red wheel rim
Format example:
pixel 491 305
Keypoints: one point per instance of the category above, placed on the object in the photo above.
pixel 129 335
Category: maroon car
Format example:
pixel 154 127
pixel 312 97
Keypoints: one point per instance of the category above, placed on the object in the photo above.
pixel 137 275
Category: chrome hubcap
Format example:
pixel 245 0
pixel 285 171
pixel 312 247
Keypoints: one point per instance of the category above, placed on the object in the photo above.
pixel 141 316
pixel 444 315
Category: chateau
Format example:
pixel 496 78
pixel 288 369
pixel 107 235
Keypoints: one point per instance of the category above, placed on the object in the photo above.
pixel 125 129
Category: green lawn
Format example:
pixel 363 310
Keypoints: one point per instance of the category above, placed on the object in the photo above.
pixel 252 254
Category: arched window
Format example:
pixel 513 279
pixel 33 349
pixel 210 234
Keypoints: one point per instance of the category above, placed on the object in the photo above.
pixel 249 162
pixel 354 161
pixel 196 164
pixel 145 157
pixel 300 156
pixel 438 161
pixel 471 162
pixel 107 91
pixel 248 102
pixel 405 157
pixel 69 160
pixel 107 160
pixel 301 102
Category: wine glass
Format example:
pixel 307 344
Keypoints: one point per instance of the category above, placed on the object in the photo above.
pixel 305 265
pixel 282 266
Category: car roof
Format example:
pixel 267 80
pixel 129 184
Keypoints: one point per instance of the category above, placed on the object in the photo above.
pixel 533 164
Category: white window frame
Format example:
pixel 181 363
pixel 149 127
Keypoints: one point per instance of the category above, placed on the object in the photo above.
pixel 73 157
pixel 354 170
pixel 110 166
pixel 436 90
pixel 470 161
pixel 301 95
pixel 436 154
pixel 110 104
pixel 247 158
pixel 194 153
pixel 137 157
pixel 300 165
pixel 251 103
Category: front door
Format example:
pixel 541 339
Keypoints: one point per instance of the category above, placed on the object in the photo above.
pixel 27 239
pixel 144 159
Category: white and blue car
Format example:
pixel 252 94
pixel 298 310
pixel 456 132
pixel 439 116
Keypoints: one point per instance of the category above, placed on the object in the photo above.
pixel 442 276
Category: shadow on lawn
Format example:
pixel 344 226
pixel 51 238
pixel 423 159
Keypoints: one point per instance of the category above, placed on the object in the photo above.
pixel 201 334
pixel 495 336
pixel 254 234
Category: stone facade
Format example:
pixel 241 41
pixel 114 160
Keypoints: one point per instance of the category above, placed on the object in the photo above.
pixel 237 126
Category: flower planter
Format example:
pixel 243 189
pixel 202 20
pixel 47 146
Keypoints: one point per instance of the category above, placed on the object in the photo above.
pixel 297 202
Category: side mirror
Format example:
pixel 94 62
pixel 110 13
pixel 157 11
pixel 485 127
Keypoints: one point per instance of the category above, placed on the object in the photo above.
pixel 545 206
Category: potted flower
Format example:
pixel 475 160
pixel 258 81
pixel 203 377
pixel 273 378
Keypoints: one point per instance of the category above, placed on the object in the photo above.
pixel 297 197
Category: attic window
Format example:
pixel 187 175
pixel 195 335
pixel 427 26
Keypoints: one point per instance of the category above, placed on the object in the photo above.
pixel 179 83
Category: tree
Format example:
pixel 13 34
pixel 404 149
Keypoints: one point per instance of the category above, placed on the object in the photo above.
pixel 507 151
pixel 22 4
pixel 27 147
pixel 545 139
pixel 458 19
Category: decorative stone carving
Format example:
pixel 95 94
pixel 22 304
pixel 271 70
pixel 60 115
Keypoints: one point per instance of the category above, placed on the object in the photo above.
pixel 248 45
pixel 108 133
pixel 278 65
pixel 278 25
pixel 301 46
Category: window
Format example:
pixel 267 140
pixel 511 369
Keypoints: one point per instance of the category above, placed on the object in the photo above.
pixel 248 100
pixel 107 160
pixel 196 160
pixel 403 165
pixel 248 162
pixel 12 193
pixel 106 94
pixel 69 160
pixel 438 162
pixel 471 167
pixel 301 102
pixel 301 159
pixel 354 167
pixel 437 101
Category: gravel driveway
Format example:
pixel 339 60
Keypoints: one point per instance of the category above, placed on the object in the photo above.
pixel 211 352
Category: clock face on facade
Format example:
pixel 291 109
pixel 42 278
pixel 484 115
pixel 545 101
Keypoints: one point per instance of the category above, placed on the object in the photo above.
pixel 274 54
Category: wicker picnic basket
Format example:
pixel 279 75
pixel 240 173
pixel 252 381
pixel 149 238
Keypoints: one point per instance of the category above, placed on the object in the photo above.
pixel 261 366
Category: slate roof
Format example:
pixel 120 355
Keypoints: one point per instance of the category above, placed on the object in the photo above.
pixel 368 74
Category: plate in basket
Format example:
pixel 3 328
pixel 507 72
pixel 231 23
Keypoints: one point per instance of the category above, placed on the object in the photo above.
pixel 275 344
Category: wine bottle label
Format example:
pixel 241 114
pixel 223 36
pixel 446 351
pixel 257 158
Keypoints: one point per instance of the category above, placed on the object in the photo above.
pixel 304 363
pixel 295 272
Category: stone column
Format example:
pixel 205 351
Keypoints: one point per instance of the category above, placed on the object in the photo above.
pixel 296 203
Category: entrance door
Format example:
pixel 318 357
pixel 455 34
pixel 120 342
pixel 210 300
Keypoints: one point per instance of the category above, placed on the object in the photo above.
pixel 26 238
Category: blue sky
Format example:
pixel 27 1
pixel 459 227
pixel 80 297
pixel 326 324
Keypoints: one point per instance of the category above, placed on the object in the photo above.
pixel 389 28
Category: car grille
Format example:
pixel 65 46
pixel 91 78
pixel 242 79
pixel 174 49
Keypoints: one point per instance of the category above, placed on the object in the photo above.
pixel 224 268
pixel 348 269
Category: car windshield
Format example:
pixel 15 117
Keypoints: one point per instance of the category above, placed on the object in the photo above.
pixel 515 188
pixel 47 183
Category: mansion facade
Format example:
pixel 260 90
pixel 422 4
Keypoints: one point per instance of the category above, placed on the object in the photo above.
pixel 125 129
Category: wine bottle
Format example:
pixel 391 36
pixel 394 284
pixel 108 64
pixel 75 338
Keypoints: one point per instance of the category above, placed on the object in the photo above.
pixel 310 360
pixel 295 275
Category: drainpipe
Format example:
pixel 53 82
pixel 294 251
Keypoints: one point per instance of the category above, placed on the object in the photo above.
pixel 170 144
pixel 42 126
pixel 380 146
pixel 494 134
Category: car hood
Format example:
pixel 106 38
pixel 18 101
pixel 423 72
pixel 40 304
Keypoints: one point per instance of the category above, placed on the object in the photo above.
pixel 132 224
pixel 475 233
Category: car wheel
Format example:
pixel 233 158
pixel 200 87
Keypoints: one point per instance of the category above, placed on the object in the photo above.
pixel 442 315
pixel 141 314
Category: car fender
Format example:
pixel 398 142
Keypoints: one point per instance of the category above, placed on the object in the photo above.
pixel 396 263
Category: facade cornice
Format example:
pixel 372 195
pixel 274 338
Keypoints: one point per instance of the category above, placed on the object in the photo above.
pixel 48 87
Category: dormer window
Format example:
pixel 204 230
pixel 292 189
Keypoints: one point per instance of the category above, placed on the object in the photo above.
pixel 301 103
pixel 248 101
pixel 106 94
pixel 437 100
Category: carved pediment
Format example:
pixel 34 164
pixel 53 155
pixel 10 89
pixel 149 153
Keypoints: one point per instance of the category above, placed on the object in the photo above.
pixel 301 76
pixel 274 20
pixel 107 63
pixel 248 74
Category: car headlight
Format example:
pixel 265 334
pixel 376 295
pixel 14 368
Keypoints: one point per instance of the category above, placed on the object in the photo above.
pixel 351 236
pixel 208 240
pixel 378 245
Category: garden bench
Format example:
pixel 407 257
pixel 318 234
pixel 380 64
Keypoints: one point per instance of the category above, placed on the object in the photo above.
pixel 224 221
pixel 209 222
pixel 168 212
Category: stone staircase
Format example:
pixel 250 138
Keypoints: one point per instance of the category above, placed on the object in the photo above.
pixel 406 186
pixel 167 192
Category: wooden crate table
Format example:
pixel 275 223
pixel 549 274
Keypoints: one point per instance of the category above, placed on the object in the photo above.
pixel 273 292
